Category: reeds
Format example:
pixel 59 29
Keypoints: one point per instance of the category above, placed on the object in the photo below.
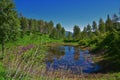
pixel 22 62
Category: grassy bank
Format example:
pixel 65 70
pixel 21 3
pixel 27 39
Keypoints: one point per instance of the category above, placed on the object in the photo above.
pixel 24 59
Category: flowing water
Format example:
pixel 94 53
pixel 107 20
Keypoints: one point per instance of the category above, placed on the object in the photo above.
pixel 70 58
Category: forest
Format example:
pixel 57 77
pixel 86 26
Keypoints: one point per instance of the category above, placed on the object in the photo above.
pixel 24 41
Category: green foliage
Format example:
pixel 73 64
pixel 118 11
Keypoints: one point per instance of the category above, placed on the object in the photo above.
pixel 50 26
pixel 101 26
pixel 89 28
pixel 2 72
pixel 94 26
pixel 53 33
pixel 9 22
pixel 63 33
pixel 69 36
pixel 84 33
pixel 84 42
pixel 76 32
pixel 112 41
pixel 58 32
pixel 24 24
pixel 89 31
pixel 58 28
pixel 109 24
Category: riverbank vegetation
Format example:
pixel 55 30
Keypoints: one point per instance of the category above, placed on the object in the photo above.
pixel 23 44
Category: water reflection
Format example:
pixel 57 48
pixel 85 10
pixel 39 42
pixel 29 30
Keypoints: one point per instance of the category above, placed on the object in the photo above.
pixel 70 58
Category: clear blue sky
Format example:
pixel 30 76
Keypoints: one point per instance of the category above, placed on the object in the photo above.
pixel 68 12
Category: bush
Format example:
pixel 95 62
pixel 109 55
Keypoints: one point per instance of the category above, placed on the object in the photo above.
pixel 84 42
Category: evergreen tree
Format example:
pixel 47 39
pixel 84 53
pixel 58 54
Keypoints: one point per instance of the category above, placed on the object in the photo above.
pixel 23 24
pixel 109 24
pixel 58 28
pixel 101 26
pixel 35 23
pixel 31 26
pixel 41 25
pixel 45 28
pixel 53 33
pixel 9 22
pixel 50 26
pixel 89 30
pixel 76 32
pixel 94 26
pixel 84 32
pixel 69 35
pixel 63 32
pixel 115 18
pixel 116 21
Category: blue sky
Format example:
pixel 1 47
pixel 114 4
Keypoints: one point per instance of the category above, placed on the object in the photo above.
pixel 68 12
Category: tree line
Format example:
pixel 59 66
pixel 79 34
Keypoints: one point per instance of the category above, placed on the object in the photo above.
pixel 31 26
pixel 95 29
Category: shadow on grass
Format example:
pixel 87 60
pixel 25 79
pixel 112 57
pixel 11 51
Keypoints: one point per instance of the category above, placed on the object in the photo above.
pixel 68 41
pixel 109 66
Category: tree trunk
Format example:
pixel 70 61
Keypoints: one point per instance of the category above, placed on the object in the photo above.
pixel 3 47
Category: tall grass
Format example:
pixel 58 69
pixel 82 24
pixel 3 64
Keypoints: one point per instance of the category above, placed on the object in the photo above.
pixel 24 62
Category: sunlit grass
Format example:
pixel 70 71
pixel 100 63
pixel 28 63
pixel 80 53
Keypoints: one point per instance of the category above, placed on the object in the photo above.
pixel 27 63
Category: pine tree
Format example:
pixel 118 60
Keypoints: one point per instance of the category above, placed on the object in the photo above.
pixel 89 30
pixel 35 23
pixel 9 22
pixel 101 26
pixel 94 26
pixel 109 24
pixel 41 25
pixel 23 24
pixel 63 32
pixel 76 32
pixel 58 28
pixel 69 35
pixel 53 33
pixel 84 32
pixel 50 26
pixel 115 20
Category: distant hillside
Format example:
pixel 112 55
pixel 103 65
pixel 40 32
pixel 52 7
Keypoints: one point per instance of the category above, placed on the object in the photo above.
pixel 67 32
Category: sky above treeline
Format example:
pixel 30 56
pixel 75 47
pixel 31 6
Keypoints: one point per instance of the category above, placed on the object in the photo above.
pixel 68 12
